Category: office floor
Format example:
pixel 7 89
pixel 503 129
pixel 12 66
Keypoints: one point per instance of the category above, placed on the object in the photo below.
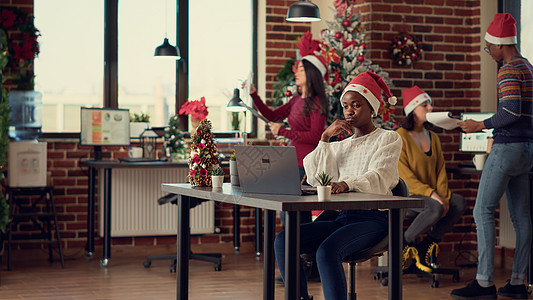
pixel 33 277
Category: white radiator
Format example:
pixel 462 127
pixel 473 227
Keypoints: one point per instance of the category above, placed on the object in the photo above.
pixel 507 236
pixel 134 207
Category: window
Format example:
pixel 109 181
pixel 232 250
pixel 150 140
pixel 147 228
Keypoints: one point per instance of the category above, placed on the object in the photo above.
pixel 70 66
pixel 526 27
pixel 220 55
pixel 69 71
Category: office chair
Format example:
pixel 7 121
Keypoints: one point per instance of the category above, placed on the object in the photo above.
pixel 377 250
pixel 215 258
pixel 382 271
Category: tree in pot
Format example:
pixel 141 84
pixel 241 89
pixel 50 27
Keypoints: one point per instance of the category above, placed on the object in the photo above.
pixel 217 176
pixel 324 189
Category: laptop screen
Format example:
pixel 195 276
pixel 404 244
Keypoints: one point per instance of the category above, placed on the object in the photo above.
pixel 475 141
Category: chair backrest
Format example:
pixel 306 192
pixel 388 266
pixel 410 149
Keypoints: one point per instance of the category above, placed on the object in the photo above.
pixel 401 189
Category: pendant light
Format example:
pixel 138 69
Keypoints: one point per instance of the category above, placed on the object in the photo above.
pixel 303 11
pixel 166 50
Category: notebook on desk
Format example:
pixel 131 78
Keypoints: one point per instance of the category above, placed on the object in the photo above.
pixel 269 170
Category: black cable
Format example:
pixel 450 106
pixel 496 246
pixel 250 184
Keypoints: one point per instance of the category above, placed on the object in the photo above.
pixel 467 255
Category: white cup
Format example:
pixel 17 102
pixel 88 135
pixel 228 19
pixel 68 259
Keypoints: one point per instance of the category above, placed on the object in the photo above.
pixel 479 161
pixel 136 152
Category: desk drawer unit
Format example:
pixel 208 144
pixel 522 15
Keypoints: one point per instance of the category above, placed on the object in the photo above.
pixel 134 208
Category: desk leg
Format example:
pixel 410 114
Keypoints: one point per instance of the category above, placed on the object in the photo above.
pixel 183 248
pixel 236 227
pixel 90 213
pixel 269 267
pixel 107 218
pixel 292 255
pixel 395 257
pixel 258 225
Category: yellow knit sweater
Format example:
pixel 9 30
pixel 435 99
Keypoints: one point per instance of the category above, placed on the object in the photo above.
pixel 422 173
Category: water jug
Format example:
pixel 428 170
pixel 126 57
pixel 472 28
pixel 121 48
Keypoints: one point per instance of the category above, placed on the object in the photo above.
pixel 26 115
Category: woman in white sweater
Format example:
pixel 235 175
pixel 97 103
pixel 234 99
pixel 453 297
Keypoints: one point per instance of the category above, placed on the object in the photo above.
pixel 365 162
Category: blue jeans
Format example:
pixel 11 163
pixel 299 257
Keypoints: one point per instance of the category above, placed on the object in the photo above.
pixel 506 170
pixel 331 241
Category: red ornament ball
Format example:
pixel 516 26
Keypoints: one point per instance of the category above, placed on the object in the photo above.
pixel 288 93
pixel 338 35
pixel 346 23
pixel 361 58
pixel 363 45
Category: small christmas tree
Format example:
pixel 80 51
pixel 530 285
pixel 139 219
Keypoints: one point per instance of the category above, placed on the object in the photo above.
pixel 175 140
pixel 203 155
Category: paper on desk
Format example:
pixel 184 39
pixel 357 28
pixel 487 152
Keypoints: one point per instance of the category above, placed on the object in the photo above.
pixel 443 119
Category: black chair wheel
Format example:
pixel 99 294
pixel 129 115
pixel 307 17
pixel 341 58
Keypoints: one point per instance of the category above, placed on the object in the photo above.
pixel 217 267
pixel 376 277
pixel 384 281
pixel 147 263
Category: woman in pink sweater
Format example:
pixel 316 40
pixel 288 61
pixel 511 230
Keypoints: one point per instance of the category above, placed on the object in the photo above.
pixel 306 112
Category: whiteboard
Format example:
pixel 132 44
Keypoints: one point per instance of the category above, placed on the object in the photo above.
pixel 475 141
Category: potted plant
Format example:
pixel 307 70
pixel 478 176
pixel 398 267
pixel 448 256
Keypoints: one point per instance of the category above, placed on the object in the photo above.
pixel 323 189
pixel 217 176
pixel 197 109
pixel 138 124
pixel 233 172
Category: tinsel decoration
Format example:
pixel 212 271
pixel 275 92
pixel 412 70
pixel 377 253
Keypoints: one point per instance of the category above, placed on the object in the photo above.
pixel 203 155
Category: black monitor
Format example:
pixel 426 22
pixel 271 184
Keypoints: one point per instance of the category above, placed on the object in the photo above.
pixel 476 142
pixel 104 127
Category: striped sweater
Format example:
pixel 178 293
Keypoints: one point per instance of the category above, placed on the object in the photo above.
pixel 513 122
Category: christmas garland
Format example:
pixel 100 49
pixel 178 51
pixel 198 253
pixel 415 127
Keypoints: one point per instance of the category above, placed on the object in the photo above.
pixel 405 49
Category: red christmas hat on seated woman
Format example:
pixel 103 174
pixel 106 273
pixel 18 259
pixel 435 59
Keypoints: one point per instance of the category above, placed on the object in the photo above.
pixel 320 63
pixel 502 30
pixel 413 97
pixel 369 85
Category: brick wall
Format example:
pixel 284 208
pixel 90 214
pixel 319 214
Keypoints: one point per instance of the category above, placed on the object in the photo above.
pixel 449 70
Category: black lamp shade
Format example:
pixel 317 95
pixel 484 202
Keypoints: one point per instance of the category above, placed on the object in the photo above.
pixel 234 104
pixel 166 49
pixel 303 11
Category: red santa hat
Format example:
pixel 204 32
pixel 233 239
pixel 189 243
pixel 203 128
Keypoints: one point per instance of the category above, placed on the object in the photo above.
pixel 320 63
pixel 502 30
pixel 413 97
pixel 369 85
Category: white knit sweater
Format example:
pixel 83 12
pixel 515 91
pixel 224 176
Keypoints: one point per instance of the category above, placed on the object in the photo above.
pixel 367 164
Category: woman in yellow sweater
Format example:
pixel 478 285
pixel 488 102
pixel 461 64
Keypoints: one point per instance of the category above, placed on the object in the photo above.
pixel 423 168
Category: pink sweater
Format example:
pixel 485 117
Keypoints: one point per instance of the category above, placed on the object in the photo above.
pixel 305 130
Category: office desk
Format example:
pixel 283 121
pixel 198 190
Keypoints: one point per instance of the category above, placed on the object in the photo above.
pixel 293 205
pixel 107 165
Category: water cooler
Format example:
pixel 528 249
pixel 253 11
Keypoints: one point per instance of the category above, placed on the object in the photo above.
pixel 27 163
pixel 26 156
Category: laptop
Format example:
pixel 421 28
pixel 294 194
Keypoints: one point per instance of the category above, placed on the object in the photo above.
pixel 269 170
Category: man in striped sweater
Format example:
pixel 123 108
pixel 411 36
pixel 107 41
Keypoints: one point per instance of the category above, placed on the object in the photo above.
pixel 507 166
